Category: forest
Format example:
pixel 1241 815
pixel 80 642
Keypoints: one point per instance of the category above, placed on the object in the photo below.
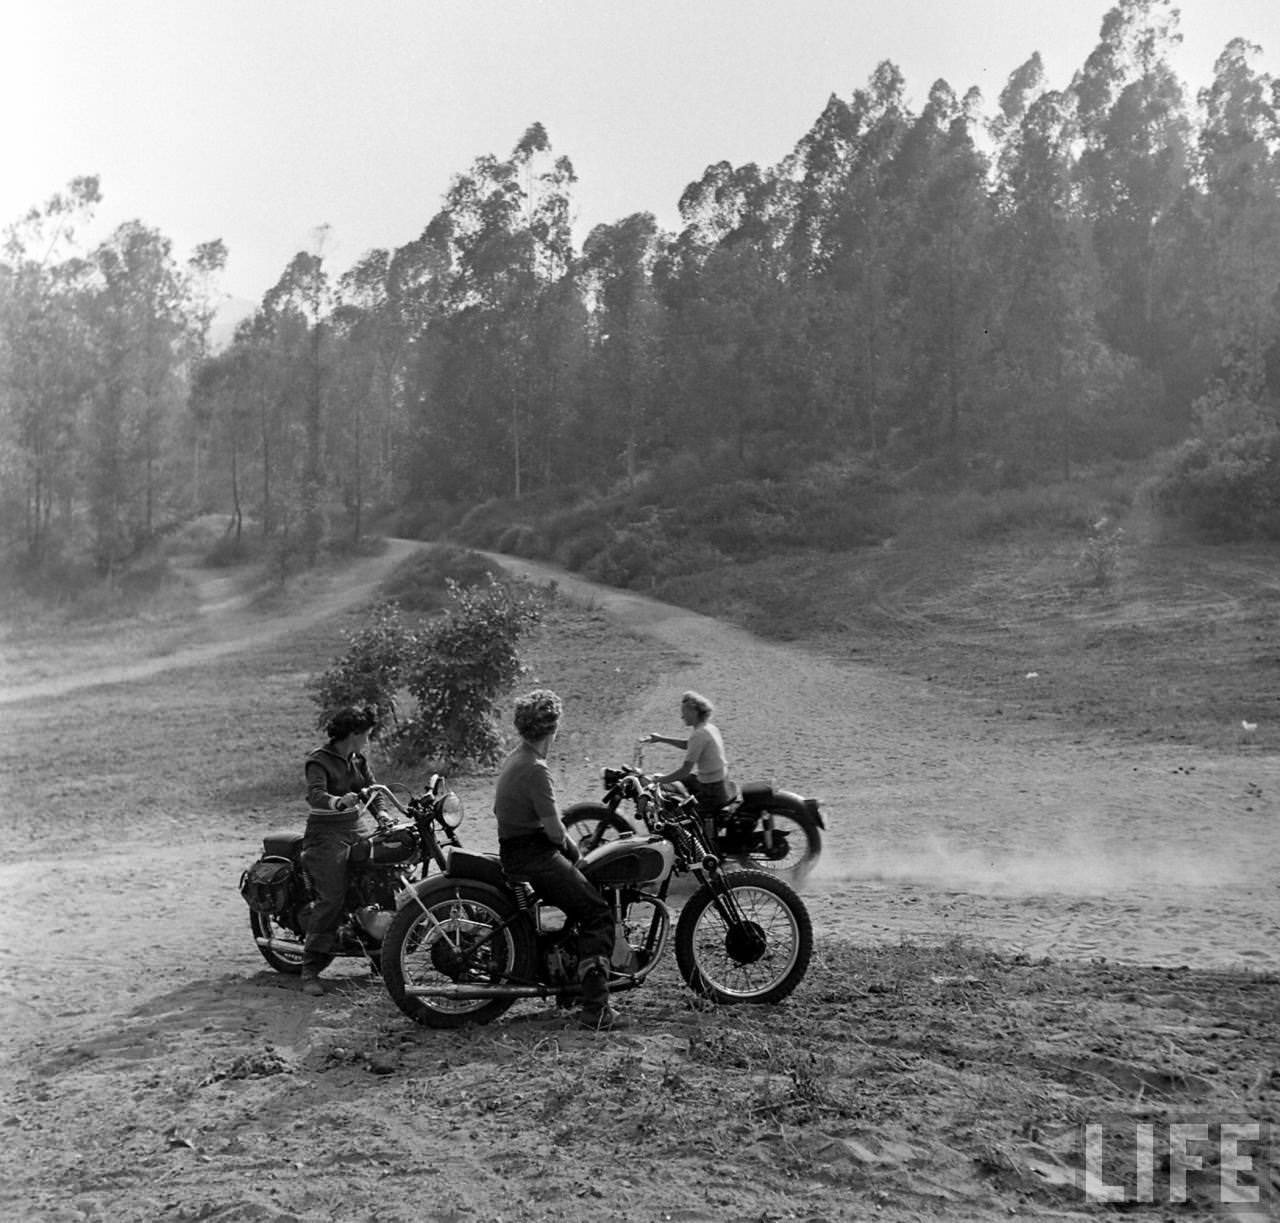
pixel 973 293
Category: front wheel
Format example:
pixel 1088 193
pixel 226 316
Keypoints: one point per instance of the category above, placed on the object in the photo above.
pixel 592 824
pixel 452 934
pixel 745 938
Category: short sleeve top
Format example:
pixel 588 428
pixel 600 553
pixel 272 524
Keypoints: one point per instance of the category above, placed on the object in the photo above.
pixel 705 754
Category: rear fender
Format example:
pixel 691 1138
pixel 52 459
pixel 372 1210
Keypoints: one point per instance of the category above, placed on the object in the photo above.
pixel 758 796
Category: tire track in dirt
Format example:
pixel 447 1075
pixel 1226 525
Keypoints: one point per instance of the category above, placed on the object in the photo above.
pixel 942 821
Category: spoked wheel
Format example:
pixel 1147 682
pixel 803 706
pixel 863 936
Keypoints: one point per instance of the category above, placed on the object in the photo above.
pixel 280 947
pixel 751 945
pixel 592 824
pixel 790 848
pixel 455 936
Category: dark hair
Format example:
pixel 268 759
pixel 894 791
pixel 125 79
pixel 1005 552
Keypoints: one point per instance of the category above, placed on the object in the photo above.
pixel 350 720
pixel 537 714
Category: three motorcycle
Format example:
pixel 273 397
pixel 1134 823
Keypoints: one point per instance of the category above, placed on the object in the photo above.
pixel 382 868
pixel 761 828
pixel 470 942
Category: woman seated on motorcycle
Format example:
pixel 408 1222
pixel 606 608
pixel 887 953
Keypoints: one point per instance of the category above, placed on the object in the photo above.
pixel 534 845
pixel 335 775
pixel 705 770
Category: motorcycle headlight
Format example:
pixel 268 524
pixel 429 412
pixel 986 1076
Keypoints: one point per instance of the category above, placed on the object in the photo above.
pixel 451 811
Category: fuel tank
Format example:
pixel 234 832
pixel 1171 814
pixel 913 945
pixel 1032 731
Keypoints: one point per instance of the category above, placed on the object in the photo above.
pixel 631 859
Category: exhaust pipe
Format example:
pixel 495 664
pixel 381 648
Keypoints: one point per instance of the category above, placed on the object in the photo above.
pixel 289 947
pixel 476 991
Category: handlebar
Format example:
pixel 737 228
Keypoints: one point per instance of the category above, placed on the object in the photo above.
pixel 377 790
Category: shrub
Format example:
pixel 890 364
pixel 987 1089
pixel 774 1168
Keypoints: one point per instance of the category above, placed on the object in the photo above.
pixel 1099 559
pixel 519 539
pixel 420 584
pixel 455 668
pixel 461 664
pixel 370 670
pixel 1228 487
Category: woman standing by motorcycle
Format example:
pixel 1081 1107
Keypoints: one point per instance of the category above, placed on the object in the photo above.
pixel 335 774
pixel 533 845
pixel 705 769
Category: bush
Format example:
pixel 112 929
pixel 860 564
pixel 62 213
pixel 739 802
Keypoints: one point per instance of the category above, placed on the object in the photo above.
pixel 370 670
pixel 462 663
pixel 455 668
pixel 1227 487
pixel 421 584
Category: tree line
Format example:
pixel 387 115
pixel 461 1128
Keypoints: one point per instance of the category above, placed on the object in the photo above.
pixel 1073 275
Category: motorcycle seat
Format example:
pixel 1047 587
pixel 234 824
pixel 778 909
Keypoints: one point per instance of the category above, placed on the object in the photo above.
pixel 732 802
pixel 751 794
pixel 282 843
pixel 485 867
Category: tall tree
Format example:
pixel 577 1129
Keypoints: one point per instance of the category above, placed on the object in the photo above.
pixel 1239 151
pixel 46 367
pixel 142 330
pixel 1134 169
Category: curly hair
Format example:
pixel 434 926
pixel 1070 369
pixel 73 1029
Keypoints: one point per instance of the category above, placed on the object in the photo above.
pixel 537 714
pixel 350 720
pixel 699 702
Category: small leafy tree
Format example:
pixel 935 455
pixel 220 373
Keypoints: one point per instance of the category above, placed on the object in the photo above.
pixel 369 673
pixel 456 668
pixel 463 662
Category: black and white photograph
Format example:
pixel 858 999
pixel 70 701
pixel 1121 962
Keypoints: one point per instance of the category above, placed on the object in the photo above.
pixel 640 612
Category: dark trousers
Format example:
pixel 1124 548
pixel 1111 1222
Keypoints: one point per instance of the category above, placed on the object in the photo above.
pixel 711 795
pixel 324 855
pixel 562 884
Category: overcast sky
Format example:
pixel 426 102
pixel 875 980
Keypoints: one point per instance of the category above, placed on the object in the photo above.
pixel 257 121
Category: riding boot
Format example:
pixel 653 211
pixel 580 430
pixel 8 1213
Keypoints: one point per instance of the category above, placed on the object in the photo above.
pixel 593 977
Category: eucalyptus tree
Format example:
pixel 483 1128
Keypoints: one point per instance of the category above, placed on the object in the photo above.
pixel 222 395
pixel 294 313
pixel 625 338
pixel 371 342
pixel 46 368
pixel 1045 334
pixel 495 382
pixel 141 332
pixel 208 259
pixel 945 283
pixel 1134 169
pixel 861 242
pixel 1239 160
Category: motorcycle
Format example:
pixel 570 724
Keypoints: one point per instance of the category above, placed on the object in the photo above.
pixel 759 828
pixel 469 942
pixel 381 870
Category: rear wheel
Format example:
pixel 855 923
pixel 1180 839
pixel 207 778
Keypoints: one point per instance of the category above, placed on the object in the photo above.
pixel 592 824
pixel 455 935
pixel 751 945
pixel 280 946
pixel 783 840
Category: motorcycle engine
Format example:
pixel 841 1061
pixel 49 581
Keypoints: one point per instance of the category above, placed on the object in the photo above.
pixel 375 921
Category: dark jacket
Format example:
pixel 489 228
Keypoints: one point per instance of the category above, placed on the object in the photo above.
pixel 329 777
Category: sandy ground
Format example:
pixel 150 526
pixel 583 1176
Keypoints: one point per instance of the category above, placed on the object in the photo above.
pixel 129 990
